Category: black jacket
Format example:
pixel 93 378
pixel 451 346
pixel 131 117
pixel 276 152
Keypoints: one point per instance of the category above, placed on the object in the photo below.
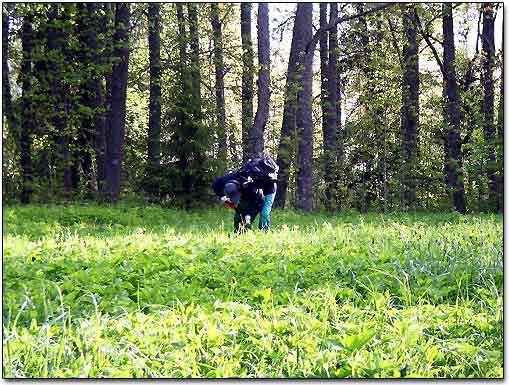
pixel 246 186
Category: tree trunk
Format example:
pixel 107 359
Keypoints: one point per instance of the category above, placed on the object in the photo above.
pixel 194 60
pixel 27 108
pixel 304 188
pixel 336 100
pixel 370 102
pixel 109 31
pixel 92 133
pixel 409 106
pixel 184 97
pixel 115 145
pixel 193 175
pixel 324 60
pixel 247 78
pixel 154 120
pixel 286 150
pixel 488 104
pixel 219 86
pixel 57 47
pixel 300 47
pixel 325 103
pixel 262 112
pixel 454 164
pixel 7 105
pixel 500 133
pixel 330 136
pixel 97 97
pixel 85 137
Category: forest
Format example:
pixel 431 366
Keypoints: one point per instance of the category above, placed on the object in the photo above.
pixel 382 124
pixel 365 106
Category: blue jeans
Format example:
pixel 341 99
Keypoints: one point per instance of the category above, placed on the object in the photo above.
pixel 264 221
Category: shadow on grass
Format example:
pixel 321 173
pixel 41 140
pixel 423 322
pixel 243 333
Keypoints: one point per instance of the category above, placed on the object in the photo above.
pixel 38 221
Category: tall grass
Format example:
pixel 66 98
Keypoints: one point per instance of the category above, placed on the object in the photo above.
pixel 133 291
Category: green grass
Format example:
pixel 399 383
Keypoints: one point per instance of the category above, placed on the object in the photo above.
pixel 130 291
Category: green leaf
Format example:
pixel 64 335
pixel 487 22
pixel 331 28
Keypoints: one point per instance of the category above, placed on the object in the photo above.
pixel 355 342
pixel 264 294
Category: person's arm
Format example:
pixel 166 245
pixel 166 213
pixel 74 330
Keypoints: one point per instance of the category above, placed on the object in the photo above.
pixel 218 187
pixel 228 203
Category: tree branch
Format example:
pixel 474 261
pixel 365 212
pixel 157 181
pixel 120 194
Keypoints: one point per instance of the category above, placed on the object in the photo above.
pixel 478 33
pixel 429 43
pixel 314 40
pixel 469 77
pixel 228 11
pixel 435 39
pixel 394 41
pixel 283 23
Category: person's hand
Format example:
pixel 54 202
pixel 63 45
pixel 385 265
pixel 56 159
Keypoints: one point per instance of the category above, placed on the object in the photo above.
pixel 227 202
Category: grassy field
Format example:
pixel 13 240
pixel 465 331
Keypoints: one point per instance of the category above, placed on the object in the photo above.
pixel 131 291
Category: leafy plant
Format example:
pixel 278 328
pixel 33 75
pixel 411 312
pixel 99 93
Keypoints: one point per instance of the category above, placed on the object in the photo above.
pixel 145 291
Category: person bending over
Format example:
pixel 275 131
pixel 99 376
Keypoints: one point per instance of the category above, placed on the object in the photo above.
pixel 247 202
pixel 249 190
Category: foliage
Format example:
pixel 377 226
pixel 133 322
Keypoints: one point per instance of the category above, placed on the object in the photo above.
pixel 370 69
pixel 144 291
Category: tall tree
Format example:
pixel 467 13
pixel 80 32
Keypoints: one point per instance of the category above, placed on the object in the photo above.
pixel 92 133
pixel 7 105
pixel 286 149
pixel 109 31
pixel 263 82
pixel 409 106
pixel 219 85
pixel 452 141
pixel 370 99
pixel 193 176
pixel 488 61
pixel 333 148
pixel 325 102
pixel 183 101
pixel 335 81
pixel 324 60
pixel 304 188
pixel 194 61
pixel 27 107
pixel 301 54
pixel 330 103
pixel 115 144
pixel 58 52
pixel 247 77
pixel 154 119
pixel 454 156
pixel 97 92
pixel 500 133
pixel 86 132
